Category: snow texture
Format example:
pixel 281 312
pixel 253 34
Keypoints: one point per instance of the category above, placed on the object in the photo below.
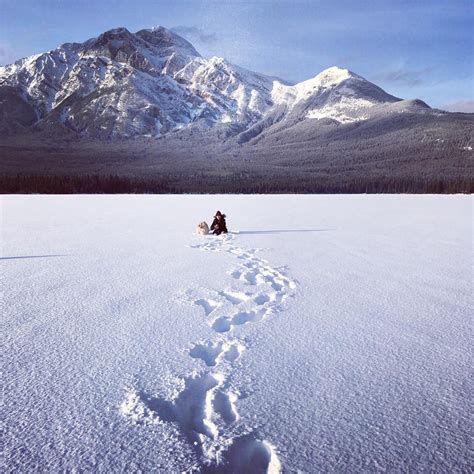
pixel 323 334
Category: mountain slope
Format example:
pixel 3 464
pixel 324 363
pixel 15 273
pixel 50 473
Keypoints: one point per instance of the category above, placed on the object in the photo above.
pixel 70 111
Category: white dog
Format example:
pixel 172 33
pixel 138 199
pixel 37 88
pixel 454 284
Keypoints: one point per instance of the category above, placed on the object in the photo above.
pixel 202 229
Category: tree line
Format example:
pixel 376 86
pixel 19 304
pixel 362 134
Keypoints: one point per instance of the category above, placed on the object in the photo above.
pixel 233 184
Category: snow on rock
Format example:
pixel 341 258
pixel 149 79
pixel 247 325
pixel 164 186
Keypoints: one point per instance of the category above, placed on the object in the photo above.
pixel 335 93
pixel 329 78
pixel 341 110
pixel 291 95
pixel 325 333
pixel 153 82
pixel 234 94
pixel 125 82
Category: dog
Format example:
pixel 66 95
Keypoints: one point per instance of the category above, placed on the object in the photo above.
pixel 202 228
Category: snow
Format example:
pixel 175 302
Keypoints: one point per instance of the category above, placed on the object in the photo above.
pixel 339 111
pixel 327 79
pixel 234 93
pixel 291 95
pixel 166 72
pixel 282 93
pixel 324 334
pixel 327 95
pixel 159 68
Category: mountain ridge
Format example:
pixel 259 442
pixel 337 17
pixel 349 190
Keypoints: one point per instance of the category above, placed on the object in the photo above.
pixel 147 105
pixel 152 82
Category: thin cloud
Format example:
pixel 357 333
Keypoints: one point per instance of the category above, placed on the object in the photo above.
pixel 466 106
pixel 406 77
pixel 193 33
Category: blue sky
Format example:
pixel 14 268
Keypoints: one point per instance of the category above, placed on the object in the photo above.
pixel 413 49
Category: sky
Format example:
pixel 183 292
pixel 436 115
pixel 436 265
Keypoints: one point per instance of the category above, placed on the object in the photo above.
pixel 412 49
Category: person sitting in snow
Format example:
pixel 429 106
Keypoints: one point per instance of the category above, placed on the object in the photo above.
pixel 218 224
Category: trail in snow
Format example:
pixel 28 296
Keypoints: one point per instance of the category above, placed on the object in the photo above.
pixel 206 408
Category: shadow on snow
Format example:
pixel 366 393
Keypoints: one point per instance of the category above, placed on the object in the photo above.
pixel 280 231
pixel 32 256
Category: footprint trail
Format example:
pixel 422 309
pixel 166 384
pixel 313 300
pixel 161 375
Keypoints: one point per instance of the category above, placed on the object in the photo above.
pixel 205 410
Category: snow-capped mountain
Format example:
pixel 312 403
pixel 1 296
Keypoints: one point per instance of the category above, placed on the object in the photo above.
pixel 124 84
pixel 152 82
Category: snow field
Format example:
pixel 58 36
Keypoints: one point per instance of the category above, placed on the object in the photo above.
pixel 324 334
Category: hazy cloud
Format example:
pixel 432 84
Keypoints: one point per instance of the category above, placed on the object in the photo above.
pixel 193 33
pixel 406 77
pixel 459 106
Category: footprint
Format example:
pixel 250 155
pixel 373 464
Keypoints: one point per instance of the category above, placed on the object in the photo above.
pixel 190 409
pixel 208 352
pixel 221 324
pixel 277 297
pixel 251 277
pixel 208 305
pixel 193 405
pixel 243 256
pixel 235 297
pixel 261 299
pixel 224 324
pixel 249 454
pixel 224 405
pixel 197 409
pixel 211 353
pixel 234 352
pixel 278 287
pixel 247 317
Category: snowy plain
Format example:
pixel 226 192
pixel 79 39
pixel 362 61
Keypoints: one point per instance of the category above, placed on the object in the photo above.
pixel 323 334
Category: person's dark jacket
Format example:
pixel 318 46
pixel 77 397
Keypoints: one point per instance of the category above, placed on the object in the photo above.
pixel 219 226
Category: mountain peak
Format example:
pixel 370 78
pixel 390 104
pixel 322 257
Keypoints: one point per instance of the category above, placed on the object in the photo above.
pixel 114 34
pixel 119 44
pixel 117 31
pixel 163 38
pixel 336 72
pixel 333 76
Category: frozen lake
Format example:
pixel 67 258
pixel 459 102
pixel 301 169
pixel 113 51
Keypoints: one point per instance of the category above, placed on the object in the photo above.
pixel 323 334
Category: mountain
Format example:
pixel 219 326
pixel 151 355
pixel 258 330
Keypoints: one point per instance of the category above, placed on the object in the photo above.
pixel 153 86
pixel 152 82
pixel 122 84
